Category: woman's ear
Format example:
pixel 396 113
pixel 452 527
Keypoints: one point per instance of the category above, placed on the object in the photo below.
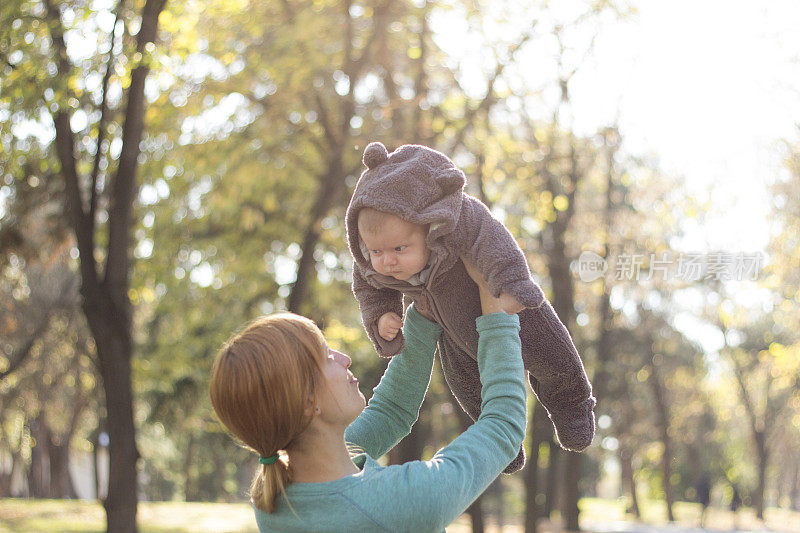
pixel 311 409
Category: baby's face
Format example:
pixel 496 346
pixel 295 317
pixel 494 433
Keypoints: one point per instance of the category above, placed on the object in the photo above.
pixel 398 249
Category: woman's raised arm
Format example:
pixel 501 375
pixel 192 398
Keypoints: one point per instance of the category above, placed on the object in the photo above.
pixel 396 401
pixel 433 493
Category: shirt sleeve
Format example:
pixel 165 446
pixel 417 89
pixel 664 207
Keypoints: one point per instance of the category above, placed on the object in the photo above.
pixel 436 492
pixel 396 401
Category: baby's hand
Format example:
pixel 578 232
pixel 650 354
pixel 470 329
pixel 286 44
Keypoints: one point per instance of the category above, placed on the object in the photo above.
pixel 388 325
pixel 509 304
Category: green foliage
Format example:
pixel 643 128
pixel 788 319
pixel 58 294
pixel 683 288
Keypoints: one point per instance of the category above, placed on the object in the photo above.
pixel 256 110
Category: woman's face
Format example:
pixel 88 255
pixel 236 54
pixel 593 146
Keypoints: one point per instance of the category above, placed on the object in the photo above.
pixel 340 399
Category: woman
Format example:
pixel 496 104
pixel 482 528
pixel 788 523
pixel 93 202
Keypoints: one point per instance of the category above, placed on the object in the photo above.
pixel 278 387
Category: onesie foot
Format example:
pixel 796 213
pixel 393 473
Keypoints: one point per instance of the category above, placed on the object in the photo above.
pixel 575 430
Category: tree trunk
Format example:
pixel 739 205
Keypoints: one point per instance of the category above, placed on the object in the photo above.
pixel 763 459
pixel 539 426
pixel 794 491
pixel 219 476
pixel 563 304
pixel 17 466
pixel 122 497
pixel 6 477
pixel 666 472
pixel 662 411
pixel 5 480
pixel 552 486
pixel 98 489
pixel 106 303
pixel 337 136
pixel 572 475
pixel 61 485
pixel 500 511
pixel 110 328
pixel 58 448
pixel 421 80
pixel 189 490
pixel 600 378
pixel 475 512
pixel 626 463
pixel 38 478
pixel 412 446
pixel 306 264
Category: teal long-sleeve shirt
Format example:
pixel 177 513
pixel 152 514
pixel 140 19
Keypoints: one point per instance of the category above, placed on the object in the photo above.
pixel 418 496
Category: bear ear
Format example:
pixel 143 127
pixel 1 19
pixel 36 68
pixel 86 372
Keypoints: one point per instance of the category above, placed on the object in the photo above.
pixel 451 181
pixel 375 154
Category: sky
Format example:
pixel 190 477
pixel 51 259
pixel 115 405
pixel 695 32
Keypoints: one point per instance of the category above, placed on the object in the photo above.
pixel 710 87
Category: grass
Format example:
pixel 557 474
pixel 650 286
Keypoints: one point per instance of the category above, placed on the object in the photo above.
pixel 595 510
pixel 72 516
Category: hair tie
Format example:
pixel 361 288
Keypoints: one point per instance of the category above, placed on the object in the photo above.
pixel 267 460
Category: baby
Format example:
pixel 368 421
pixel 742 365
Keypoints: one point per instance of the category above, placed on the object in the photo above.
pixel 409 224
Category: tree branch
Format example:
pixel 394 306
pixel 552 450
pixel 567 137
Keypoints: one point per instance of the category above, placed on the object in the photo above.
pixel 420 81
pixel 65 149
pixel 19 356
pixel 119 219
pixel 489 99
pixel 324 119
pixel 745 395
pixel 351 71
pixel 379 30
pixel 101 127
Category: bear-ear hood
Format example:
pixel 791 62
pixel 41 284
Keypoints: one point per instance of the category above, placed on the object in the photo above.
pixel 416 183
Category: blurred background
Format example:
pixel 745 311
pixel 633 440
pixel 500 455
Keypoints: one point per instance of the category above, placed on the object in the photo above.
pixel 171 170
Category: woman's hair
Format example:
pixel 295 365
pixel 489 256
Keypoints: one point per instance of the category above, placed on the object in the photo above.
pixel 261 385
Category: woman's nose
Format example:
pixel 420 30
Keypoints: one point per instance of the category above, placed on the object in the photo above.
pixel 342 359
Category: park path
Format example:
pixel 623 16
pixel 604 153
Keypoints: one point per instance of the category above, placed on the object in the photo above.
pixel 633 527
pixel 617 526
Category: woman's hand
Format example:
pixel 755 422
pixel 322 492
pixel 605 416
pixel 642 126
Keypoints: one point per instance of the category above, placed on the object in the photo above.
pixel 490 304
pixel 510 304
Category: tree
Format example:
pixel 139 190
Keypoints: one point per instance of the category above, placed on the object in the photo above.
pixel 46 394
pixel 68 93
pixel 245 214
pixel 761 348
pixel 765 373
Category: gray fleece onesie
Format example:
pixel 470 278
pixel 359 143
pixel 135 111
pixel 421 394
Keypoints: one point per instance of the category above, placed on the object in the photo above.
pixel 425 187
